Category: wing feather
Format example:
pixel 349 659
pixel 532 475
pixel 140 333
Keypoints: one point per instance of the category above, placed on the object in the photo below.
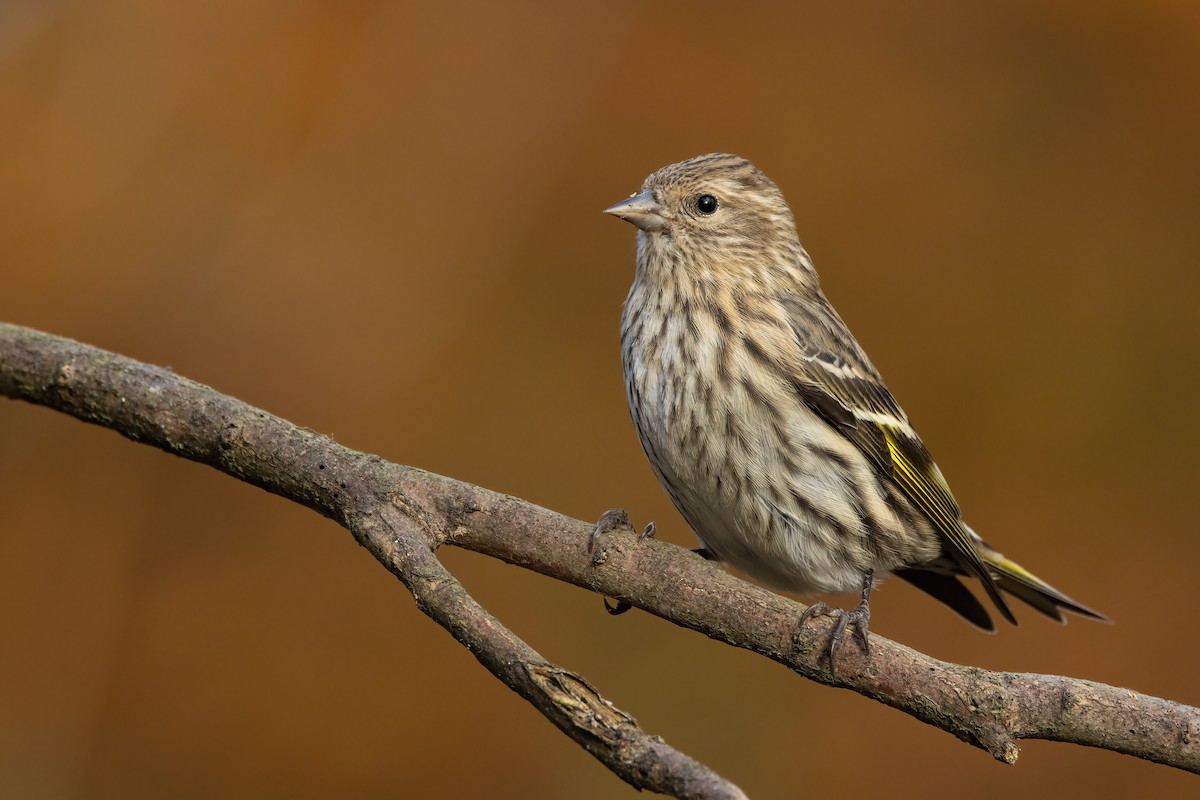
pixel 848 392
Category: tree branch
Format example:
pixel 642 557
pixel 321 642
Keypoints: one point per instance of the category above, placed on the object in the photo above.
pixel 401 515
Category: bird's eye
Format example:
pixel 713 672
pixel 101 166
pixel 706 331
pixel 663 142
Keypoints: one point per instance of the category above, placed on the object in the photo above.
pixel 706 204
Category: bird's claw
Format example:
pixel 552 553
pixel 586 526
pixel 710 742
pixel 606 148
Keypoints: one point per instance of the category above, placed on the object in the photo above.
pixel 618 608
pixel 860 616
pixel 616 519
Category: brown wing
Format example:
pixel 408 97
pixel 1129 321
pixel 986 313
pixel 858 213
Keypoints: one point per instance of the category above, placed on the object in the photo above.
pixel 838 381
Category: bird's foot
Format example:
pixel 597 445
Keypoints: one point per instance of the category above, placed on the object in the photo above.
pixel 860 616
pixel 615 519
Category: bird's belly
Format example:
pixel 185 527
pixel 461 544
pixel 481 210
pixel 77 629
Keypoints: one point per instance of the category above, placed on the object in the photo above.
pixel 767 485
pixel 798 555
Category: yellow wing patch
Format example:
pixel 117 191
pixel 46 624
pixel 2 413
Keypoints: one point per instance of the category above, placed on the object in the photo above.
pixel 921 480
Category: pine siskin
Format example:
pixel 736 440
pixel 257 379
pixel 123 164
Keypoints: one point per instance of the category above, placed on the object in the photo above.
pixel 766 422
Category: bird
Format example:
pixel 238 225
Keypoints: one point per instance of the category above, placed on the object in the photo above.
pixel 767 424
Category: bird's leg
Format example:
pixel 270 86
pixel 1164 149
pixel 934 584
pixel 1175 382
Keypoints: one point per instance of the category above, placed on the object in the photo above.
pixel 860 616
pixel 616 519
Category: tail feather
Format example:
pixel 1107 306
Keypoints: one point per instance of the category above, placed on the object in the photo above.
pixel 949 590
pixel 942 582
pixel 1024 585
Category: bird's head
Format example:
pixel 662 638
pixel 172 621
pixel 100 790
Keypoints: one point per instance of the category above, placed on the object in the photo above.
pixel 712 213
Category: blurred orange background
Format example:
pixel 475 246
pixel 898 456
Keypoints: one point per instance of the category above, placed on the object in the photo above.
pixel 382 221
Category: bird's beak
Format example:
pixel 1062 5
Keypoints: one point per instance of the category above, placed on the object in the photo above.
pixel 641 210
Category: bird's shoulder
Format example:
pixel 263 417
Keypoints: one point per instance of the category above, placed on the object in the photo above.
pixel 829 359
